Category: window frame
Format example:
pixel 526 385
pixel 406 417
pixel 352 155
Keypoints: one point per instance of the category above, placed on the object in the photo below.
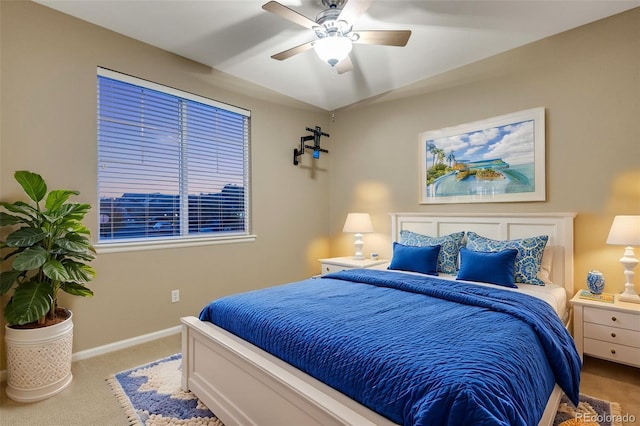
pixel 204 239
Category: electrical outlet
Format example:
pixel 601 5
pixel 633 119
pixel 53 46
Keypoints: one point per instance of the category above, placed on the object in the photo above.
pixel 175 296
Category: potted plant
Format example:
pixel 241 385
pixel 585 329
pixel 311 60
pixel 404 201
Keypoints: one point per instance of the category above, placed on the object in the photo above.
pixel 48 248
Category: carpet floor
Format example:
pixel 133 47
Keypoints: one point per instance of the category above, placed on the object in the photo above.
pixel 151 395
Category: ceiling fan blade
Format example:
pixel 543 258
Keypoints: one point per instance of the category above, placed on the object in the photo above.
pixel 289 14
pixel 344 65
pixel 353 9
pixel 293 51
pixel 384 37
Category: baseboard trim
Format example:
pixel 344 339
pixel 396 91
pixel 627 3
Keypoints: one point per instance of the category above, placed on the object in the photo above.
pixel 116 346
pixel 123 344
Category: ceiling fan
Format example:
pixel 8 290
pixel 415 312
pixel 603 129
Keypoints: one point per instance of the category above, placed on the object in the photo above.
pixel 334 32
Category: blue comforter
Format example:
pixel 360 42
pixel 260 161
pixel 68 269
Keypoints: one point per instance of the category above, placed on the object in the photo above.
pixel 417 350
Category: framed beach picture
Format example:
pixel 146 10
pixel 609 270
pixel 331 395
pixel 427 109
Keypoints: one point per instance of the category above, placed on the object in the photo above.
pixel 500 159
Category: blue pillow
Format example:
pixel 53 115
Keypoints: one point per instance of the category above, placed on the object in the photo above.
pixel 448 257
pixel 488 267
pixel 415 259
pixel 528 260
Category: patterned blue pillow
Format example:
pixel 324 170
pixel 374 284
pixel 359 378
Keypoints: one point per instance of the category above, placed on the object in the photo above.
pixel 529 256
pixel 449 247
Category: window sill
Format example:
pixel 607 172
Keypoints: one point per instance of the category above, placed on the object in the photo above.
pixel 128 246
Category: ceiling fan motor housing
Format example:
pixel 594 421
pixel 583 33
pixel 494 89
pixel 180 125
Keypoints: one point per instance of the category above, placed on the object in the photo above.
pixel 330 26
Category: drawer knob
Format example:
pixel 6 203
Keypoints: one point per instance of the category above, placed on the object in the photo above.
pixel 613 351
pixel 613 334
pixel 614 319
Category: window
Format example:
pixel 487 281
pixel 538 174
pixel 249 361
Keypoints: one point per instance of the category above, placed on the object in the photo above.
pixel 171 165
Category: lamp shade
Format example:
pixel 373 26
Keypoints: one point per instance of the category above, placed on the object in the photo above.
pixel 333 49
pixel 358 223
pixel 625 231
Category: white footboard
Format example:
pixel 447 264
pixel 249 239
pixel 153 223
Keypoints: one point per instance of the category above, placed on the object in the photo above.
pixel 244 385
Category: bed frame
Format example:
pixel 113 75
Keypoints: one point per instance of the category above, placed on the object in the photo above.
pixel 244 385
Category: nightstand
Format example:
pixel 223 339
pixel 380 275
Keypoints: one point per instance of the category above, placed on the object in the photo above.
pixel 335 264
pixel 609 331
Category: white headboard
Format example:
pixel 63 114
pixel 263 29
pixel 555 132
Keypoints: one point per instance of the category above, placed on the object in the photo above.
pixel 558 226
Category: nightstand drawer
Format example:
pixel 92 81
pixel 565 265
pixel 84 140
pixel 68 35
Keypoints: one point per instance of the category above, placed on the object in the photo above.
pixel 612 334
pixel 611 318
pixel 327 268
pixel 612 351
pixel 337 264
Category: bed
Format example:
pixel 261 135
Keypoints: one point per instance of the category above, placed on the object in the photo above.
pixel 244 384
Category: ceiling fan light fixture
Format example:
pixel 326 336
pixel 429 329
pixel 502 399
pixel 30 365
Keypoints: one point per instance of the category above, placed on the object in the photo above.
pixel 333 28
pixel 332 50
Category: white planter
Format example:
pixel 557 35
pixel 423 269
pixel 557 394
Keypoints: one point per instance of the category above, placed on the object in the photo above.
pixel 39 361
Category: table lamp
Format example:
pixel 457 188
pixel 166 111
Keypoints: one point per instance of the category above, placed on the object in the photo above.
pixel 358 224
pixel 625 231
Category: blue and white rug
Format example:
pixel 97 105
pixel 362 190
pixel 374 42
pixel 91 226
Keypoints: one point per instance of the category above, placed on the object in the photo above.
pixel 152 396
pixel 589 412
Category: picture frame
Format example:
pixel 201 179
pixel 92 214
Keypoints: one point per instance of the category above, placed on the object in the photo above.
pixel 499 159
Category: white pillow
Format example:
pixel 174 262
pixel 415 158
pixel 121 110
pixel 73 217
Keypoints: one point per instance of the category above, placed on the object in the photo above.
pixel 545 265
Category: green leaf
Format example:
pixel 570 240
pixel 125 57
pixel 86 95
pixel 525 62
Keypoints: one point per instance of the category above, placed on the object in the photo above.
pixel 8 219
pixel 74 242
pixel 31 258
pixel 86 257
pixel 58 197
pixel 68 215
pixel 25 237
pixel 21 208
pixel 30 302
pixel 76 289
pixel 78 228
pixel 77 211
pixel 7 279
pixel 79 272
pixel 32 183
pixel 55 270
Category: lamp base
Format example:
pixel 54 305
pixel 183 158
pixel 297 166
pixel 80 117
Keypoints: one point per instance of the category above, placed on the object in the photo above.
pixel 628 297
pixel 359 244
pixel 629 262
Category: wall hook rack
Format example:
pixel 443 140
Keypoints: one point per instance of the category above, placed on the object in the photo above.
pixel 315 137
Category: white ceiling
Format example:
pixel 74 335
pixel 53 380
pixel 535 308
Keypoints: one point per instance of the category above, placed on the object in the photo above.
pixel 238 37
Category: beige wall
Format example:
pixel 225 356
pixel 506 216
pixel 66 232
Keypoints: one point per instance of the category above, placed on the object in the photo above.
pixel 48 125
pixel 588 79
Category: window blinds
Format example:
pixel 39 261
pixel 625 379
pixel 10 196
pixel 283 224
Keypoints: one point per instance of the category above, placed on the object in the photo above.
pixel 170 164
